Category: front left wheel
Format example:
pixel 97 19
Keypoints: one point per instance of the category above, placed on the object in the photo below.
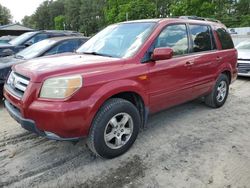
pixel 114 128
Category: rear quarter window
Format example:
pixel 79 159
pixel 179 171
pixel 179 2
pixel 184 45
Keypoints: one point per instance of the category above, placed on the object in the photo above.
pixel 225 38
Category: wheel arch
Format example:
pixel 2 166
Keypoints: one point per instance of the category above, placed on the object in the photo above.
pixel 126 89
pixel 227 70
pixel 136 100
pixel 228 74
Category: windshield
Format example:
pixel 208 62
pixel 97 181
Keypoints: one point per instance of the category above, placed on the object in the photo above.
pixel 244 46
pixel 22 38
pixel 36 49
pixel 120 40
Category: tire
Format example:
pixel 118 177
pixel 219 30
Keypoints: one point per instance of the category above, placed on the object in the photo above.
pixel 114 128
pixel 213 99
pixel 1 92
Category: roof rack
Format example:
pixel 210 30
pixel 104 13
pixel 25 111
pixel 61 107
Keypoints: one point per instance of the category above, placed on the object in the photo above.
pixel 60 31
pixel 199 18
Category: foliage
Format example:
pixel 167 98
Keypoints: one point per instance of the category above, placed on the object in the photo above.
pixel 5 16
pixel 120 10
pixel 89 16
pixel 245 21
pixel 193 7
pixel 59 22
pixel 72 14
pixel 28 21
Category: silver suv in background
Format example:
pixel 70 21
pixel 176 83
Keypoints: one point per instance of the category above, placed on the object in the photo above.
pixel 243 58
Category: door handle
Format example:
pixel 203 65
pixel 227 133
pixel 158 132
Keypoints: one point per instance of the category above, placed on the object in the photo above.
pixel 218 59
pixel 189 63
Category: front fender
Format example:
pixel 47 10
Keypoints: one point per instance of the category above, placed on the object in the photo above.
pixel 112 88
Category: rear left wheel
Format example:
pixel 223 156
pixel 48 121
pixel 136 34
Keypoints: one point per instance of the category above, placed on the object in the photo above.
pixel 1 91
pixel 218 96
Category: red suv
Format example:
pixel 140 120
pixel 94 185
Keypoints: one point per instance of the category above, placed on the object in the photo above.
pixel 107 89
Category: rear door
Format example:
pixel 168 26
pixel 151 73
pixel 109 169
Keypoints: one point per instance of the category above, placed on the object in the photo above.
pixel 227 54
pixel 170 80
pixel 206 59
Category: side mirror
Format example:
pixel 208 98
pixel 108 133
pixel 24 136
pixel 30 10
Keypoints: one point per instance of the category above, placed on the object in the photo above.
pixel 162 54
pixel 7 52
pixel 27 44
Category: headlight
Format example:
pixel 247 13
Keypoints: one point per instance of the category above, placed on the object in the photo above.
pixel 61 87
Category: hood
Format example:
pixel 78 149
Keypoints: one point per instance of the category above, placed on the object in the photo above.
pixel 5 45
pixel 243 54
pixel 9 61
pixel 41 68
pixel 4 48
pixel 5 67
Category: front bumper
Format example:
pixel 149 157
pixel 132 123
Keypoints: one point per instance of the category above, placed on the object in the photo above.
pixel 30 125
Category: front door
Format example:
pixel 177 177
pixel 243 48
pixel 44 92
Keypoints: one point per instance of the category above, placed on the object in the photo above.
pixel 171 80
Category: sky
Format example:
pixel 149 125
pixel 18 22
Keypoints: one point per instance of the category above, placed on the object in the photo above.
pixel 21 8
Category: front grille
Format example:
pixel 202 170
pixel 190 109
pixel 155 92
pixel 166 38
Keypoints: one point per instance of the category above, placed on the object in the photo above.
pixel 17 83
pixel 243 59
pixel 244 65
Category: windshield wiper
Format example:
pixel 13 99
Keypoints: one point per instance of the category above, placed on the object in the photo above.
pixel 99 54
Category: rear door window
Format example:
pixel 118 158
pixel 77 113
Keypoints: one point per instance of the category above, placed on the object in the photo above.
pixel 66 46
pixel 201 37
pixel 175 37
pixel 37 38
pixel 81 41
pixel 51 35
pixel 225 38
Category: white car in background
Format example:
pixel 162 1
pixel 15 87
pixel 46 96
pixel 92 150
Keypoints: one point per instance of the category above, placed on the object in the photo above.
pixel 244 58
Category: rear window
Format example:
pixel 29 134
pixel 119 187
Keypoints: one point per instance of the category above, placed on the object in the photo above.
pixel 225 39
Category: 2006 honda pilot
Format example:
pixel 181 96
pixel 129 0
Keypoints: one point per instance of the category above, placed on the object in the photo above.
pixel 107 89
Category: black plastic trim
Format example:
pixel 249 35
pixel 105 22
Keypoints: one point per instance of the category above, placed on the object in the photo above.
pixel 30 125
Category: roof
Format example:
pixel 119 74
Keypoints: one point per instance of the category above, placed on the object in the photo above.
pixel 63 32
pixel 188 19
pixel 57 39
pixel 144 20
pixel 7 37
pixel 15 27
pixel 60 31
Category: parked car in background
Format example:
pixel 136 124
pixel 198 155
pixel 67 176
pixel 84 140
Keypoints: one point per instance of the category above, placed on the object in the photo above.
pixel 129 70
pixel 27 39
pixel 237 39
pixel 244 58
pixel 6 39
pixel 43 48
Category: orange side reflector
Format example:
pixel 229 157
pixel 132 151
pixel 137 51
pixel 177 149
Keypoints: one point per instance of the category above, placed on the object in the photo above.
pixel 143 77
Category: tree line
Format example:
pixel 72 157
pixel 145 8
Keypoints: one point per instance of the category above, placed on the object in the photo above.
pixel 5 16
pixel 89 16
